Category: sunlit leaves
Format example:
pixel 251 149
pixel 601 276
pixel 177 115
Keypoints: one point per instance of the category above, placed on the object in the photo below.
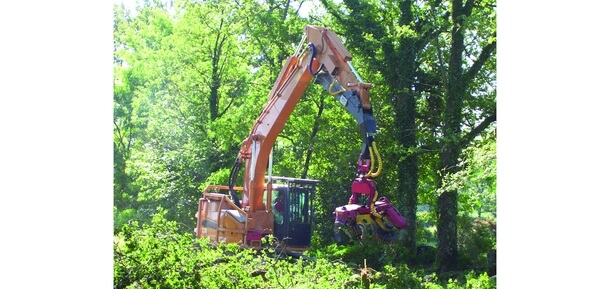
pixel 191 80
pixel 157 255
pixel 476 180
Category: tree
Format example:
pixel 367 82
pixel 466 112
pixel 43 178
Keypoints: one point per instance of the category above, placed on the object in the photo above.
pixel 164 55
pixel 424 51
pixel 213 74
pixel 185 81
pixel 136 38
pixel 389 35
pixel 191 77
pixel 459 83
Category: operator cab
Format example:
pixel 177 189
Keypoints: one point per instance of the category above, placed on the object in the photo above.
pixel 293 210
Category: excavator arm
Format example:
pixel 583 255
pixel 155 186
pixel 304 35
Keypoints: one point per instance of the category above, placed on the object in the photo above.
pixel 324 61
pixel 327 62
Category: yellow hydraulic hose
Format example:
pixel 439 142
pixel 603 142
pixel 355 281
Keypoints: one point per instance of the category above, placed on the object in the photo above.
pixel 330 87
pixel 379 165
pixel 374 154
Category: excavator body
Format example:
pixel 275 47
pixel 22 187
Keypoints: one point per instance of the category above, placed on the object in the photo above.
pixel 288 215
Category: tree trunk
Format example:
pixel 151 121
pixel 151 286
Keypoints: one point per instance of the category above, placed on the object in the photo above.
pixel 406 129
pixel 407 167
pixel 447 255
pixel 312 139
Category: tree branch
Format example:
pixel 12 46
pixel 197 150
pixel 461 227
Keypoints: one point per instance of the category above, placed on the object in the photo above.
pixel 226 108
pixel 478 129
pixel 332 8
pixel 290 139
pixel 486 52
pixel 423 149
pixel 120 135
pixel 468 7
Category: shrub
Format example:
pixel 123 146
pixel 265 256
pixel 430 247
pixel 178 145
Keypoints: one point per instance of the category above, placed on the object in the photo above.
pixel 476 237
pixel 156 255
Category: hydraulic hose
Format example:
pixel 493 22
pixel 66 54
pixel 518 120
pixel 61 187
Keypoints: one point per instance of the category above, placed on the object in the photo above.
pixel 312 53
pixel 374 153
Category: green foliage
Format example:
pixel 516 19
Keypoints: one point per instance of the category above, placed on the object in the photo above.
pixel 123 217
pixel 192 76
pixel 157 255
pixel 476 237
pixel 481 281
pixel 218 177
pixel 476 181
pixel 376 255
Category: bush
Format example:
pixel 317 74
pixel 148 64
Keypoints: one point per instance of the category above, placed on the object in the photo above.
pixel 377 255
pixel 476 237
pixel 156 255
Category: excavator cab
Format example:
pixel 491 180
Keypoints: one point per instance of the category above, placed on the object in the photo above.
pixel 292 207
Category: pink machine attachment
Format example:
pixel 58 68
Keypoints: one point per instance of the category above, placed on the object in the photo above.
pixel 376 216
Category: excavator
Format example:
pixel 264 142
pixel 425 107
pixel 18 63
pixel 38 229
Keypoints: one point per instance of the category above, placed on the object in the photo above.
pixel 284 207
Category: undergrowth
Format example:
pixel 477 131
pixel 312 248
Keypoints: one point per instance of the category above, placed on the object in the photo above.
pixel 157 256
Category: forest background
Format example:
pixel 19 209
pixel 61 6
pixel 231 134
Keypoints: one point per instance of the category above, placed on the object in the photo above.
pixel 191 76
pixel 53 155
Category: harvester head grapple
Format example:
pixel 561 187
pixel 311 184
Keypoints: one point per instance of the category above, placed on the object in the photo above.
pixel 378 218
